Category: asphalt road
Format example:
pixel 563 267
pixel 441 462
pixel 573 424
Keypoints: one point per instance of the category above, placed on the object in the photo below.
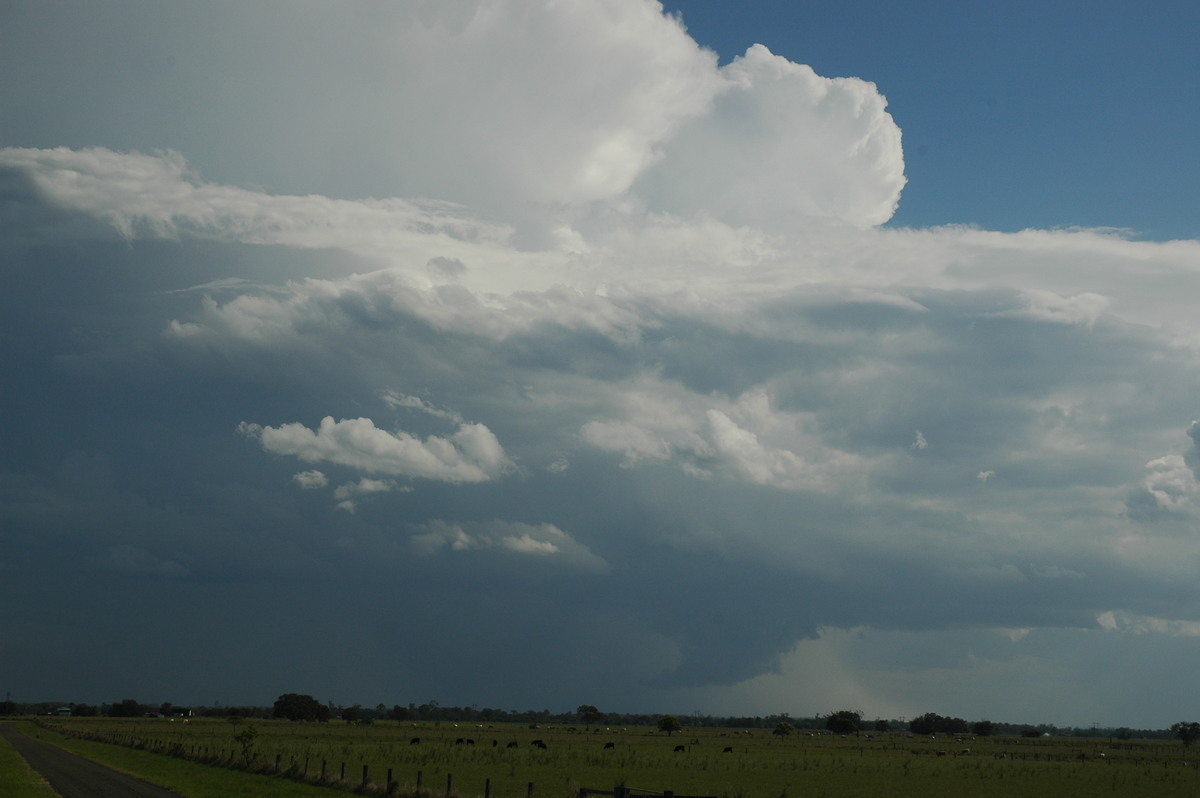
pixel 72 776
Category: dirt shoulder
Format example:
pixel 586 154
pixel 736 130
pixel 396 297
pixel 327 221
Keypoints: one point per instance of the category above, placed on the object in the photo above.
pixel 72 776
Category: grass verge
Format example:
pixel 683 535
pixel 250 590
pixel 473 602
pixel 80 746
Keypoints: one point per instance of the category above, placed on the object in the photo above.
pixel 189 779
pixel 17 778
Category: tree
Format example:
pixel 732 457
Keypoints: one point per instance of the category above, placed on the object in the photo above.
pixel 128 708
pixel 982 728
pixel 245 738
pixel 783 729
pixel 882 725
pixel 1186 731
pixel 588 714
pixel 932 723
pixel 295 706
pixel 843 721
pixel 670 724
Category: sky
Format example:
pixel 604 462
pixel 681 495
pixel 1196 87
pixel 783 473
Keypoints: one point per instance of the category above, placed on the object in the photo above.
pixel 734 358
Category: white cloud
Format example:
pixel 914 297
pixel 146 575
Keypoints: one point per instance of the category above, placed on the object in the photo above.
pixel 755 462
pixel 783 144
pixel 708 435
pixel 536 541
pixel 1171 483
pixel 472 454
pixel 347 494
pixel 396 399
pixel 310 480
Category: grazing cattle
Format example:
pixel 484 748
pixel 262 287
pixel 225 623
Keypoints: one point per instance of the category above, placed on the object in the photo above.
pixel 470 741
pixel 941 753
pixel 460 741
pixel 512 744
pixel 728 749
pixel 609 745
pixel 678 748
pixel 538 744
pixel 415 741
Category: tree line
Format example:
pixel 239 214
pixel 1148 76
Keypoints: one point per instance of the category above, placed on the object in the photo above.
pixel 303 707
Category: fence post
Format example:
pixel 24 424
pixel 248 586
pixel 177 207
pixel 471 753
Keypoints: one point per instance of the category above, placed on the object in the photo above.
pixel 343 776
pixel 277 757
pixel 487 788
pixel 420 779
pixel 391 785
pixel 529 790
pixel 322 770
pixel 449 783
pixel 365 780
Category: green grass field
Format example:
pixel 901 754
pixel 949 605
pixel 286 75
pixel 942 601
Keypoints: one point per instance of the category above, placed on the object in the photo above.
pixel 760 765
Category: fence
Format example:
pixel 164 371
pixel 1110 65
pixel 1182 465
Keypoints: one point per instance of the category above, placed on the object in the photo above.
pixel 233 759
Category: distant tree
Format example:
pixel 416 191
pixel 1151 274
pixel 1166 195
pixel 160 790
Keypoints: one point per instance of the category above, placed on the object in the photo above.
pixel 295 706
pixel 350 714
pixel 1186 731
pixel 933 723
pixel 670 724
pixel 982 728
pixel 127 708
pixel 588 714
pixel 1124 733
pixel 844 721
pixel 882 725
pixel 78 710
pixel 783 729
pixel 1030 732
pixel 398 713
pixel 8 707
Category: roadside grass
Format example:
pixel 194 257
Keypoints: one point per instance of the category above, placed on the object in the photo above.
pixel 758 764
pixel 17 778
pixel 190 779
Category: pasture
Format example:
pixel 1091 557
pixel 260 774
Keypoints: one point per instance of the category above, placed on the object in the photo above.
pixel 502 760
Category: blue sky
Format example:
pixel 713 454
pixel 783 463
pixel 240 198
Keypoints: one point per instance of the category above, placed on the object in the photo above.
pixel 396 352
pixel 1015 115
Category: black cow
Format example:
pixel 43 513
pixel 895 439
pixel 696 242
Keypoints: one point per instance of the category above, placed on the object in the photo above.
pixel 728 749
pixel 609 745
pixel 415 741
pixel 539 744
pixel 678 748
